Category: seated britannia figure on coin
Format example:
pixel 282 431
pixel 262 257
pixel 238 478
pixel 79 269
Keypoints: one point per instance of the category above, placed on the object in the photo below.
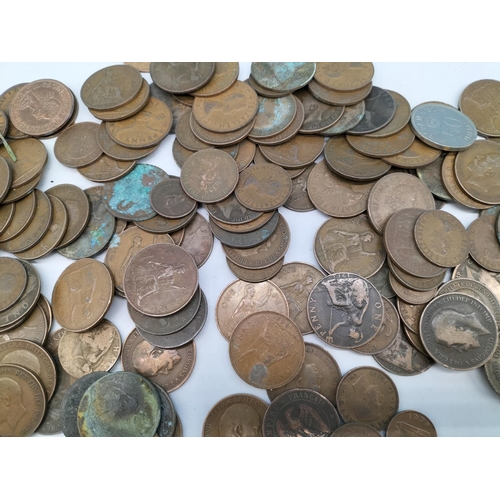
pixel 240 420
pixel 11 406
pixel 150 361
pixel 248 304
pixel 297 293
pixel 81 288
pixel 92 348
pixel 303 421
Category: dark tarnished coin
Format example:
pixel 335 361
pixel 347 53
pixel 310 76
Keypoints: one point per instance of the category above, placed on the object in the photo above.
pixel 395 192
pixel 273 116
pixel 82 295
pixel 168 418
pixel 441 238
pixel 111 87
pixel 198 239
pixel 240 299
pixel 224 76
pixel 483 243
pixel 411 423
pixel 400 119
pixel 181 77
pixel 492 369
pixel 13 280
pixel 129 197
pixel 255 275
pixel 266 350
pixel 318 116
pixel 122 404
pixel 410 314
pixel 160 279
pixel 369 396
pixel 411 296
pixel 351 244
pixel 351 117
pixel 458 331
pixel 283 76
pixel 169 200
pixel 98 231
pixel 169 368
pixel 431 176
pixel 77 205
pixel 106 169
pixel 32 357
pixel 231 211
pixel 23 401
pixel 380 280
pixel 77 145
pixel 238 415
pixel 298 152
pixel 356 429
pixel 348 163
pixel 380 108
pixel 300 413
pixel 320 373
pixel 344 76
pixel 299 200
pixel 33 328
pixel 442 126
pixel 345 310
pixel 23 215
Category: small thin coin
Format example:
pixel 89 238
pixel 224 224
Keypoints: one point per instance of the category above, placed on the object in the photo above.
pixel 13 280
pixel 263 91
pixel 77 146
pixel 483 243
pixel 47 309
pixel 411 423
pixel 181 77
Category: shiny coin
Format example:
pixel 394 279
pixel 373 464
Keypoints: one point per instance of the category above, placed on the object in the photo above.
pixel 344 76
pixel 13 280
pixel 77 145
pixel 181 77
pixel 483 243
pixel 283 76
pixel 411 423
pixel 318 116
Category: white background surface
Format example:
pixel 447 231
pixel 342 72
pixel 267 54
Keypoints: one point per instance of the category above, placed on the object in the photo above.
pixel 458 403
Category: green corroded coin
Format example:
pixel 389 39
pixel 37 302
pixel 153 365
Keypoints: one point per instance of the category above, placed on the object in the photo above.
pixel 128 197
pixel 273 116
pixel 121 404
pixel 283 76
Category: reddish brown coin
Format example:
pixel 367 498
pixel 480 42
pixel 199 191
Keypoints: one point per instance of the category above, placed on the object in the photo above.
pixel 77 146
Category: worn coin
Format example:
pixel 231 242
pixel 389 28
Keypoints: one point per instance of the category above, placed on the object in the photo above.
pixel 411 423
pixel 356 429
pixel 283 76
pixel 5 100
pixel 47 309
pixel 318 116
pixel 246 153
pixel 225 74
pixel 161 225
pixel 431 176
pixel 77 146
pixel 264 91
pixel 106 169
pixel 198 239
pixel 231 211
pixel 169 200
pixel 299 200
pixel 380 280
pixel 400 119
pixel 255 275
pixel 344 76
pixel 470 270
pixel 273 116
pixel 238 415
pixel 17 194
pixel 23 215
pixel 410 314
pixel 410 295
pixel 181 77
pixel 33 328
pixel 208 136
pixel 298 152
pixel 13 280
pixel 168 417
pixel 492 369
pixel 483 243
pixel 177 107
pixel 6 216
pixel 417 155
pixel 180 153
pixel 186 137
pixel 339 98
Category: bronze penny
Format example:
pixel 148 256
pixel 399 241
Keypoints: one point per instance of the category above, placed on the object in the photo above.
pixel 344 76
pixel 264 91
pixel 478 171
pixel 470 270
pixel 345 310
pixel 238 415
pixel 21 192
pixel 369 396
pixel 415 340
pixel 6 216
pixel 111 87
pixel 231 211
pixel 387 334
pixel 441 238
pixel 224 76
pixel 161 225
pixel 32 357
pixel 47 309
pixel 5 100
pixel 409 295
pixel 127 110
pixel 160 280
pixel 411 423
pixel 298 152
pixel 41 107
pixel 283 76
pixel 400 119
pixel 245 155
pixel 380 280
pixel 492 370
pixel 82 295
pixel 338 98
pixel 255 275
pixel 351 117
pixel 23 215
pixel 351 198
pixel 106 169
pixel 94 350
pixel 27 401
pixel 395 192
pixel 240 299
pixel 31 157
pixel 299 200
pixel 77 145
pixel 168 199
pixel 356 429
pixel 181 77
pixel 177 107
pixel 318 116
pixel 410 314
pixel 13 280
pixel 145 129
pixel 431 176
pixel 320 373
pixel 33 328
pixel 458 331
pixel 417 155
pixel 273 116
pixel 143 67
pixel 265 254
pixel 266 350
pixel 125 246
pixel 263 187
pixel 483 243
pixel 53 236
pixel 209 176
pixel 186 99
pixel 348 163
pixel 69 123
pixel 230 110
pixel 343 245
pixel 185 136
pixel 169 368
pixel 77 206
pixel 198 239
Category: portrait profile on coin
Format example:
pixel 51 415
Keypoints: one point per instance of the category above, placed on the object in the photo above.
pixel 310 377
pixel 483 171
pixel 240 420
pixel 12 409
pixel 302 421
pixel 370 398
pixel 150 360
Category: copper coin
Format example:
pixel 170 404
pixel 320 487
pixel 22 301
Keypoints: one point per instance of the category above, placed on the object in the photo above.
pixel 228 111
pixel 198 239
pixel 32 357
pixel 24 212
pixel 77 145
pixel 181 77
pixel 231 211
pixel 21 192
pixel 265 92
pixel 69 123
pixel 483 243
pixel 410 314
pixel 300 413
pixel 177 107
pixel 430 175
pixel 169 368
pixel 5 100
pixel 161 225
pixel 492 370
pixel 266 350
pixel 415 283
pixel 411 423
pixel 265 254
pixel 143 67
pixel 283 76
pixel 106 169
pixel 13 280
pixel 160 280
pixel 47 309
pixel 400 119
pixel 351 244
pixel 273 116
pixel 255 275
pixel 345 76
pixel 145 129
pixel 238 415
pixel 345 310
pixel 339 98
pixel 318 116
pixel 185 136
pixel 320 372
pixel 26 401
pixel 82 295
pixel 77 206
pixel 246 227
pixel 245 155
pixel 263 187
pixel 240 299
pixel 409 295
pixel 348 163
pixel 6 216
pixel 299 200
pixel 356 429
pixel 395 192
pixel 41 107
pixel 470 270
pixel 169 200
pixel 31 157
pixel 415 340
pixel 94 350
pixel 33 328
pixel 224 76
pixel 369 396
pixel 458 331
pixel 111 87
pixel 380 280
pixel 417 155
pixel 298 152
pixel 351 197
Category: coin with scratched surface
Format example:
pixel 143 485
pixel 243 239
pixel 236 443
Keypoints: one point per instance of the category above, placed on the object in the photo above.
pixel 181 77
pixel 283 76
pixel 273 116
pixel 411 423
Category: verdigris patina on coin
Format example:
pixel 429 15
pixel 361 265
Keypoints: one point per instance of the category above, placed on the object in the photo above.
pixel 283 76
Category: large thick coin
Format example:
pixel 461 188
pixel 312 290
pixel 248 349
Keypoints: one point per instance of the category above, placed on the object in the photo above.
pixel 345 310
pixel 181 77
pixel 283 76
pixel 411 423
